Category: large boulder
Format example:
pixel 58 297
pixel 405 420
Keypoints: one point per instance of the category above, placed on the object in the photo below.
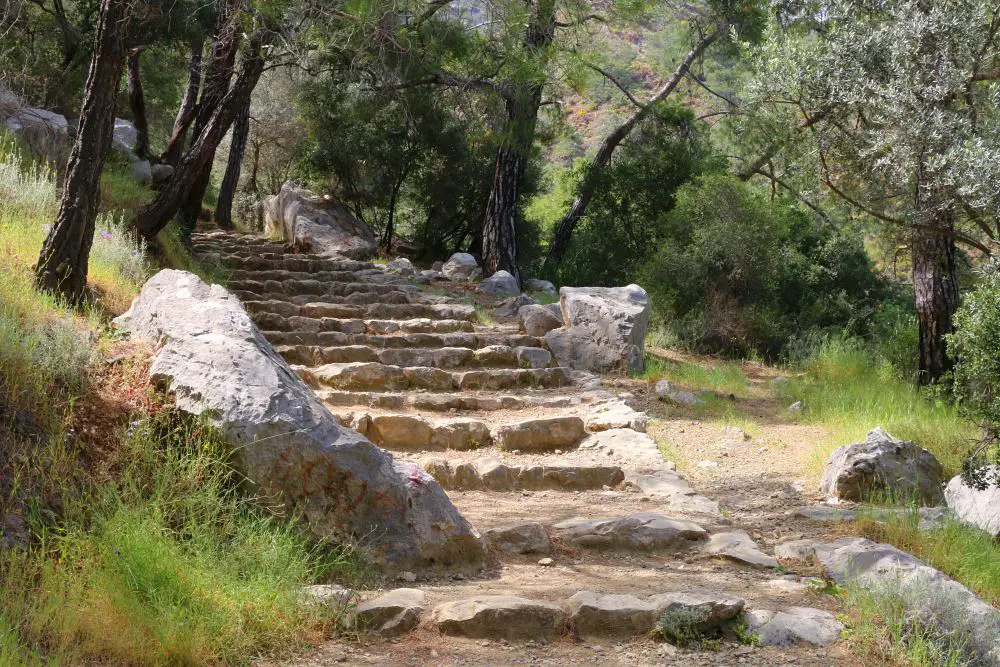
pixel 538 319
pixel 604 329
pixel 317 224
pixel 883 466
pixel 216 363
pixel 501 283
pixel 44 132
pixel 461 267
pixel 125 134
pixel 979 507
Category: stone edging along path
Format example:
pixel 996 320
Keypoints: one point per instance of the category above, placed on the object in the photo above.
pixel 540 459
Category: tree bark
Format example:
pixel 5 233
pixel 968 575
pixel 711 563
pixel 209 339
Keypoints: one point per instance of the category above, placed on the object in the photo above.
pixel 218 75
pixel 189 105
pixel 155 215
pixel 137 104
pixel 62 265
pixel 237 147
pixel 935 284
pixel 522 104
pixel 591 178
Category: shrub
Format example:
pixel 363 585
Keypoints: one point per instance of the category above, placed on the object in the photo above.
pixel 738 273
pixel 977 373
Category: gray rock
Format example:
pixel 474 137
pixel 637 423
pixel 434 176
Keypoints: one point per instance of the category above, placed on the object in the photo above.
pixel 621 616
pixel 528 537
pixel 329 595
pixel 501 617
pixel 540 434
pixel 533 357
pixel 543 286
pixel 683 397
pixel 928 597
pixel 797 406
pixel 142 171
pixel 824 513
pixel 125 134
pixel 216 363
pixel 796 550
pixel 315 224
pixel 511 306
pixel 402 266
pixel 437 266
pixel 461 267
pixel 738 546
pixel 794 626
pixel 431 276
pixel 605 329
pixel 663 389
pixel 538 320
pixel 615 415
pixel 500 283
pixel 393 614
pixel 45 132
pixel 161 173
pixel 883 465
pixel 644 531
pixel 979 508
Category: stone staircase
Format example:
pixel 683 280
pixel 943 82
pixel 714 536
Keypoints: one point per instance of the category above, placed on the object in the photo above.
pixel 594 534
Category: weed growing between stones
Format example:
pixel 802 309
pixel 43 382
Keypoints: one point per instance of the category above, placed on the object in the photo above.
pixel 744 634
pixel 684 626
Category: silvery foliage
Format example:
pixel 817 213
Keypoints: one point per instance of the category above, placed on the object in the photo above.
pixel 901 84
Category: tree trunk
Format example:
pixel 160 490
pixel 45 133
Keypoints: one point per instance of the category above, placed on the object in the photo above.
pixel 189 105
pixel 155 215
pixel 935 284
pixel 137 104
pixel 62 266
pixel 237 146
pixel 522 101
pixel 218 75
pixel 591 179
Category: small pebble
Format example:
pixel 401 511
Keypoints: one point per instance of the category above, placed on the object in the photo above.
pixel 545 562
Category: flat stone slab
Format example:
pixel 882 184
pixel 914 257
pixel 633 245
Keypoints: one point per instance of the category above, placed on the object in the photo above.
pixel 796 550
pixel 534 435
pixel 596 615
pixel 392 614
pixel 493 475
pixel 794 626
pixel 738 546
pixel 616 415
pixel 501 617
pixel 528 537
pixel 824 513
pixel 644 531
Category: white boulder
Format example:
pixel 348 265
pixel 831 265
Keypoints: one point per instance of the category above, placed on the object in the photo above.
pixel 501 283
pixel 461 267
pixel 317 224
pixel 216 363
pixel 978 507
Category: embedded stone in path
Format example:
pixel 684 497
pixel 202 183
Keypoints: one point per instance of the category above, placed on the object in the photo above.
pixel 532 357
pixel 824 513
pixel 883 466
pixel 644 531
pixel 794 626
pixel 738 546
pixel 491 474
pixel 535 435
pixel 981 508
pixel 413 432
pixel 614 415
pixel 596 615
pixel 392 614
pixel 528 537
pixel 928 597
pixel 216 363
pixel 796 550
pixel 501 617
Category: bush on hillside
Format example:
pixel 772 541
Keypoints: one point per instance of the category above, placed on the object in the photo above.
pixel 977 373
pixel 739 273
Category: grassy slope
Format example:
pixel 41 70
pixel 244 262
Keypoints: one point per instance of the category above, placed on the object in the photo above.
pixel 138 547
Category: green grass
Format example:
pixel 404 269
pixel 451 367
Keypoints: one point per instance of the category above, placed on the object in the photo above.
pixel 176 256
pixel 544 297
pixel 141 547
pixel 848 393
pixel 723 378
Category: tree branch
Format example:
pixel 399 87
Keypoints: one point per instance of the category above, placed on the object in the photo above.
pixel 704 85
pixel 581 21
pixel 618 84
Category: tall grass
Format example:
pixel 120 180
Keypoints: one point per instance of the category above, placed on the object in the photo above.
pixel 167 563
pixel 723 378
pixel 849 393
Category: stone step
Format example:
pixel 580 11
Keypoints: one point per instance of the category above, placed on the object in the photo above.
pixel 446 402
pixel 377 330
pixel 490 474
pixel 359 298
pixel 382 377
pixel 282 262
pixel 297 333
pixel 324 275
pixel 326 282
pixel 644 531
pixel 377 311
pixel 494 356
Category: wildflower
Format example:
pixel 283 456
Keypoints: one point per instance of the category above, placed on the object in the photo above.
pixel 105 234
